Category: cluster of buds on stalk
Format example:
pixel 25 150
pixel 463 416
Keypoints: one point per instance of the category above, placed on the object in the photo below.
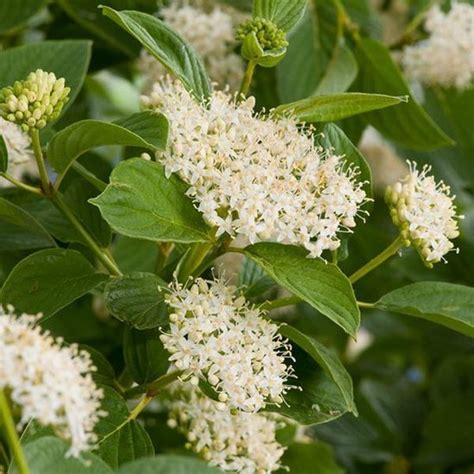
pixel 425 213
pixel 35 101
pixel 268 34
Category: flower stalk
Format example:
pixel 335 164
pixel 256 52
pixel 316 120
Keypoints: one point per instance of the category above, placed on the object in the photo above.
pixel 391 250
pixel 11 435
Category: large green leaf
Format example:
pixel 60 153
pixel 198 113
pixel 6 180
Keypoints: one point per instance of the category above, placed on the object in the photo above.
pixel 311 458
pixel 144 354
pixel 66 58
pixel 329 108
pixel 127 444
pixel 141 202
pixel 87 14
pixel 253 279
pixel 283 13
pixel 178 57
pixel 339 73
pixel 15 13
pixel 442 303
pixel 169 464
pixel 407 124
pixel 137 299
pixel 47 455
pixel 318 53
pixel 77 196
pixel 49 280
pixel 318 400
pixel 19 230
pixel 320 284
pixel 332 137
pixel 144 129
pixel 326 359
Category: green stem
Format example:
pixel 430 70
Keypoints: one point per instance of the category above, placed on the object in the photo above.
pixel 132 416
pixel 153 388
pixel 363 304
pixel 193 259
pixel 11 435
pixel 101 255
pixel 247 79
pixel 20 184
pixel 279 303
pixel 392 249
pixel 235 250
pixel 35 140
pixel 150 394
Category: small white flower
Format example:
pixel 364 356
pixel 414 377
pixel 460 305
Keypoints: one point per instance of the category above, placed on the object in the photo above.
pixel 210 33
pixel 425 212
pixel 240 442
pixel 51 383
pixel 260 177
pixel 215 335
pixel 446 57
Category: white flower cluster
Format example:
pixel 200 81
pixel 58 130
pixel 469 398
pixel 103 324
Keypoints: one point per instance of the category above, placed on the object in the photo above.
pixel 446 57
pixel 17 141
pixel 259 177
pixel 20 154
pixel 51 383
pixel 425 212
pixel 34 102
pixel 239 442
pixel 211 34
pixel 215 335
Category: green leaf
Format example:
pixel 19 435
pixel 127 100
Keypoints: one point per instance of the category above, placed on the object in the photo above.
pixel 443 303
pixel 144 355
pixel 76 197
pixel 20 230
pixel 326 359
pixel 339 73
pixel 47 455
pixel 329 108
pixel 141 202
pixel 15 13
pixel 49 280
pixel 66 58
pixel 317 51
pixel 88 16
pixel 379 74
pixel 133 255
pixel 332 136
pixel 137 299
pixel 178 57
pixel 169 464
pixel 253 279
pixel 311 458
pixel 283 13
pixel 145 129
pixel 127 444
pixel 3 155
pixel 105 374
pixel 320 284
pixel 319 399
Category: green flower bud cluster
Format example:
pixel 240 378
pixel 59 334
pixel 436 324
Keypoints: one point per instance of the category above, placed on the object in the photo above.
pixel 35 101
pixel 397 203
pixel 268 34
